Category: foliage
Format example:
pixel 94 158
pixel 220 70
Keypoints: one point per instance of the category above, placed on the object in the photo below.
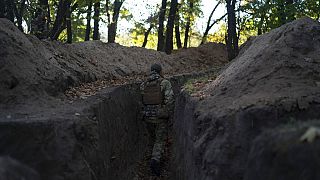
pixel 264 15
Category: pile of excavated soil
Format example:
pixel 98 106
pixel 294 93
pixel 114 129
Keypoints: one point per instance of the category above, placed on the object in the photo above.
pixel 30 68
pixel 276 79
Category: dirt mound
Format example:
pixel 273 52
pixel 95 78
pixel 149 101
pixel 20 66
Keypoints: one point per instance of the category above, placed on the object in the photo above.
pixel 11 169
pixel 275 79
pixel 284 153
pixel 30 68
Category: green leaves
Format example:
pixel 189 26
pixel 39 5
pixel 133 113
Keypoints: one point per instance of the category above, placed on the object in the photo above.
pixel 264 15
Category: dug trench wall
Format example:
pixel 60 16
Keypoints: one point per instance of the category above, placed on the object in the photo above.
pixel 103 141
pixel 247 125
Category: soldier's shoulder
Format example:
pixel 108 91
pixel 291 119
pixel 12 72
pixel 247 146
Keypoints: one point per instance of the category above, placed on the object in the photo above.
pixel 165 82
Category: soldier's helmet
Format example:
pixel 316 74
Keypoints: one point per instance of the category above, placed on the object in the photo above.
pixel 156 67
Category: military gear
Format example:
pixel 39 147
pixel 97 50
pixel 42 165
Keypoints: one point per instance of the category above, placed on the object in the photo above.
pixel 151 111
pixel 156 67
pixel 152 93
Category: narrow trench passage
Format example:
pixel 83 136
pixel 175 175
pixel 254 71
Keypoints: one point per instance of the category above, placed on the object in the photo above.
pixel 124 141
pixel 143 166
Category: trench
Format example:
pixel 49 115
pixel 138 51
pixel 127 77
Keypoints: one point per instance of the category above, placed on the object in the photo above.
pixel 124 144
pixel 100 138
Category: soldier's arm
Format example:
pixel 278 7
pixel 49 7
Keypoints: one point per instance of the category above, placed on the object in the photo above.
pixel 166 88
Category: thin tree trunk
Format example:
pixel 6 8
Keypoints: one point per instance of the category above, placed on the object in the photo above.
pixel 162 15
pixel 59 21
pixel 205 34
pixel 2 8
pixel 112 28
pixel 232 39
pixel 290 13
pixel 68 22
pixel 108 13
pixel 19 14
pixel 282 14
pixel 263 17
pixel 170 25
pixel 96 17
pixel 49 18
pixel 177 28
pixel 10 10
pixel 209 26
pixel 186 35
pixel 146 34
pixel 61 28
pixel 88 27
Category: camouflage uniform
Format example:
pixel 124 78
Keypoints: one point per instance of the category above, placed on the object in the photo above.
pixel 157 124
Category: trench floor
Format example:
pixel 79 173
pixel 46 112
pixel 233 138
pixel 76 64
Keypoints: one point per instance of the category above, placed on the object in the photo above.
pixel 143 167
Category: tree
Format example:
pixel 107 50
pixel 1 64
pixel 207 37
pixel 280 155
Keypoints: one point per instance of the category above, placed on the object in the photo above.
pixel 59 22
pixel 211 23
pixel 68 23
pixel 177 28
pixel 170 25
pixel 232 37
pixel 2 8
pixel 186 34
pixel 112 27
pixel 96 18
pixel 162 14
pixel 152 21
pixel 19 11
pixel 88 26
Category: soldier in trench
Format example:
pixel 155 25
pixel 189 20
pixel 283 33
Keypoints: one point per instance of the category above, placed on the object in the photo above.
pixel 158 101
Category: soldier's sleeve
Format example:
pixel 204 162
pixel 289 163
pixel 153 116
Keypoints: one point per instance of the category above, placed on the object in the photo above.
pixel 142 87
pixel 166 88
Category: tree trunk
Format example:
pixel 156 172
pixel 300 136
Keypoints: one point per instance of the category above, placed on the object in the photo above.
pixel 186 35
pixel 146 34
pixel 177 28
pixel 39 23
pixel 19 14
pixel 108 12
pixel 112 28
pixel 2 8
pixel 282 13
pixel 88 28
pixel 232 39
pixel 209 26
pixel 162 15
pixel 59 21
pixel 10 10
pixel 68 22
pixel 169 32
pixel 96 17
pixel 290 13
pixel 49 18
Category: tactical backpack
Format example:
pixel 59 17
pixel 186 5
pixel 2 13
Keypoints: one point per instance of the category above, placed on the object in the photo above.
pixel 152 93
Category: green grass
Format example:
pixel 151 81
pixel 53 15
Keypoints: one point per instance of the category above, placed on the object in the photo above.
pixel 195 84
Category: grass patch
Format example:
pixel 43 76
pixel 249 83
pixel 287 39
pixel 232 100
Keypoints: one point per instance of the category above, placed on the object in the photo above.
pixel 194 85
